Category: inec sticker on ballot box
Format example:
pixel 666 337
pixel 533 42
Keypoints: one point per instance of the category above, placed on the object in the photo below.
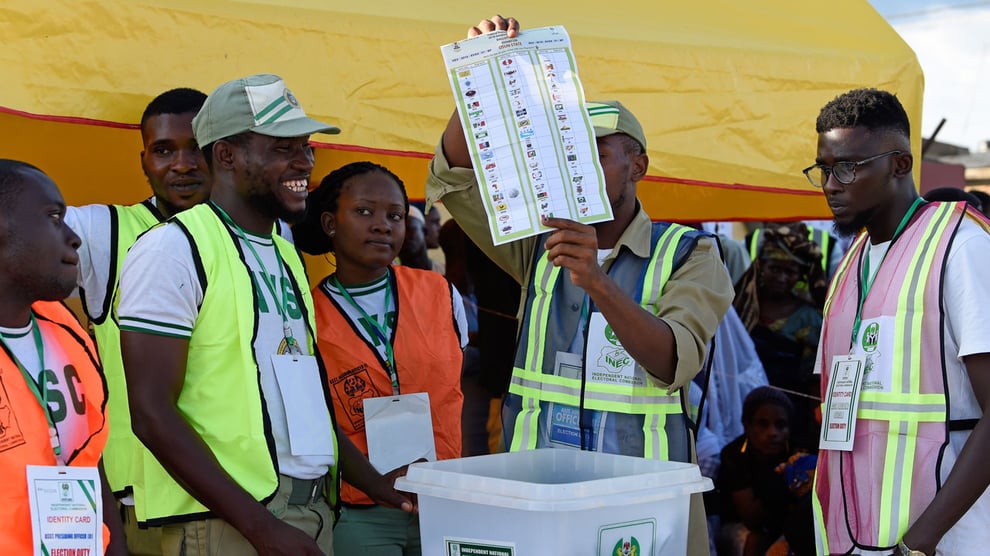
pixel 527 129
pixel 66 510
pixel 470 547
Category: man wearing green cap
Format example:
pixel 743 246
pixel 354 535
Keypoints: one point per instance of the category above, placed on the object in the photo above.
pixel 217 338
pixel 664 325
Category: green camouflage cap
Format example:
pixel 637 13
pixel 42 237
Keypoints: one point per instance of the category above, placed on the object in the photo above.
pixel 259 103
pixel 610 116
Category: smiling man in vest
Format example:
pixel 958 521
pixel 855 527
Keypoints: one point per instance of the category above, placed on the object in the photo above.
pixel 906 337
pixel 218 348
pixel 52 393
pixel 592 279
pixel 176 170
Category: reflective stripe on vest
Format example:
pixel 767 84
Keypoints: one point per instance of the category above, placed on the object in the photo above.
pixel 534 386
pixel 905 407
pixel 824 240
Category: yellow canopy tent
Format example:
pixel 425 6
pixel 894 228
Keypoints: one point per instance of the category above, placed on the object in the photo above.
pixel 727 91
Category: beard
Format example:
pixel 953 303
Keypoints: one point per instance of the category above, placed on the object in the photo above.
pixel 271 206
pixel 853 226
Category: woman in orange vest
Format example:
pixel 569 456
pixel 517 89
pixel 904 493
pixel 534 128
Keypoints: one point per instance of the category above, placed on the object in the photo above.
pixel 391 340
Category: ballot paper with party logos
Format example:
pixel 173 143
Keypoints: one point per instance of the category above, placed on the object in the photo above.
pixel 531 141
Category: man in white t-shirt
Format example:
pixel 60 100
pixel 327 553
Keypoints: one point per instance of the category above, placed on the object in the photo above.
pixel 52 392
pixel 905 337
pixel 176 171
pixel 218 347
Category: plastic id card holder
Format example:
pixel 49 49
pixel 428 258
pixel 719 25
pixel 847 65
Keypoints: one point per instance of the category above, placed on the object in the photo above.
pixel 66 509
pixel 306 412
pixel 842 402
pixel 399 430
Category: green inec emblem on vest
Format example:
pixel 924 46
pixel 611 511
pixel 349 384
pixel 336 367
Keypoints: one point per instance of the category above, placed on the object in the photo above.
pixel 871 337
pixel 610 336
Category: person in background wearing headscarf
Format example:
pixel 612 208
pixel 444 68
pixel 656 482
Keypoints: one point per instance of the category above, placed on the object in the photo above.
pixel 780 300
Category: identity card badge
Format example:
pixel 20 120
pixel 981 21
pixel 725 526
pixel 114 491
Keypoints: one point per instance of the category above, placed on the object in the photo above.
pixel 399 430
pixel 842 402
pixel 306 412
pixel 66 509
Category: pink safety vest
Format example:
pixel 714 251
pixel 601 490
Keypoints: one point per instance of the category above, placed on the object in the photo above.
pixel 870 496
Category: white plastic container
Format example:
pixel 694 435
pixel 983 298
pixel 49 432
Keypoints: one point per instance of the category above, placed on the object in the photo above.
pixel 553 502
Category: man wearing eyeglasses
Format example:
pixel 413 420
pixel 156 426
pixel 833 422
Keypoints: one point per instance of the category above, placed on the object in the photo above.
pixel 905 349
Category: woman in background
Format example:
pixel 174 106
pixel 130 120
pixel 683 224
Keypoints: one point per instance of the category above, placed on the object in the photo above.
pixel 386 334
pixel 779 300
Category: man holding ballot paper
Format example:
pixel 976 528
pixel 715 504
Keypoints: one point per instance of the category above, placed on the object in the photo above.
pixel 617 315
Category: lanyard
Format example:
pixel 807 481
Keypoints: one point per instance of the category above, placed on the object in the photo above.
pixel 290 341
pixel 380 329
pixel 40 391
pixel 866 282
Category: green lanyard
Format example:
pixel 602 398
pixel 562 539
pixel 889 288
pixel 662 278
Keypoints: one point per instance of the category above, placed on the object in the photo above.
pixel 40 391
pixel 290 341
pixel 866 282
pixel 381 330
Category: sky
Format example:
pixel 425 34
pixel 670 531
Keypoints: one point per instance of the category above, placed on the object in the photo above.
pixel 952 44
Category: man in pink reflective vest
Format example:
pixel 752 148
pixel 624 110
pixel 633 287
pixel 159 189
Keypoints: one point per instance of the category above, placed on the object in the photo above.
pixel 905 349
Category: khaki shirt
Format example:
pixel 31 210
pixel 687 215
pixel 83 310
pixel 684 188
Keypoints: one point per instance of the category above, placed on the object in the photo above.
pixel 694 300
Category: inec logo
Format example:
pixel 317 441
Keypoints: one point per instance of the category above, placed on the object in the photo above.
pixel 871 337
pixel 610 335
pixel 615 359
pixel 626 547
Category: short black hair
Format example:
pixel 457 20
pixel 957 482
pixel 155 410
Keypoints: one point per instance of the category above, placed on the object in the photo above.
pixel 765 395
pixel 953 194
pixel 873 109
pixel 982 197
pixel 174 101
pixel 12 175
pixel 308 235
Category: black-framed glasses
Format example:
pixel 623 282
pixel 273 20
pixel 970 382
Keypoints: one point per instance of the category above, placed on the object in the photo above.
pixel 843 172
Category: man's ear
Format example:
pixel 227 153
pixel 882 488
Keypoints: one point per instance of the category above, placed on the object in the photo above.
pixel 903 164
pixel 641 164
pixel 224 154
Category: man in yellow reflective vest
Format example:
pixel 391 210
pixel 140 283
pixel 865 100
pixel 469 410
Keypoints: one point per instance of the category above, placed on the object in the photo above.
pixel 177 174
pixel 905 349
pixel 218 344
pixel 616 316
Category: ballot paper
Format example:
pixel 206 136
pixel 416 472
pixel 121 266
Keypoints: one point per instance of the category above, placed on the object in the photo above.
pixel 528 132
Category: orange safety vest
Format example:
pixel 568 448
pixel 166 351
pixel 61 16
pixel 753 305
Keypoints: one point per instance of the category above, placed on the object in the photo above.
pixel 428 358
pixel 24 436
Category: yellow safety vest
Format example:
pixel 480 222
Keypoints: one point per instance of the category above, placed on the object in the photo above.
pixel 119 460
pixel 221 359
pixel 664 428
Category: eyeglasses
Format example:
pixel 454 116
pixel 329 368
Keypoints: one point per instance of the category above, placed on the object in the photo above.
pixel 844 172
